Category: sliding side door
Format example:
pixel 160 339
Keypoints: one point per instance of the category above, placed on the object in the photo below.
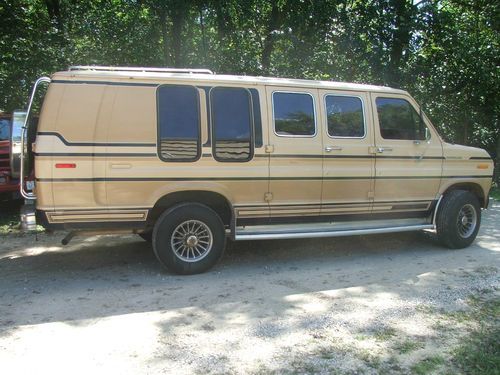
pixel 348 165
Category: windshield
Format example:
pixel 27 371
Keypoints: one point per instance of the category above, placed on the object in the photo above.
pixel 4 130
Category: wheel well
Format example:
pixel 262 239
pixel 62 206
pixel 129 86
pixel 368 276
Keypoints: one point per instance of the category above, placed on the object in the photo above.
pixel 473 188
pixel 215 201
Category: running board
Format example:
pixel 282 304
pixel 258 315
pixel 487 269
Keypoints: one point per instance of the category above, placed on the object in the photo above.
pixel 270 232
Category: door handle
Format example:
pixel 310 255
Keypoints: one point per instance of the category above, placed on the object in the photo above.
pixel 381 150
pixel 333 148
pixel 121 166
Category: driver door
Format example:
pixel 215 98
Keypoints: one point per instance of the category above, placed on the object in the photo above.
pixel 409 157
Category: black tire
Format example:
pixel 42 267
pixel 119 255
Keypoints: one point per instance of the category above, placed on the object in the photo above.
pixel 451 233
pixel 146 236
pixel 168 224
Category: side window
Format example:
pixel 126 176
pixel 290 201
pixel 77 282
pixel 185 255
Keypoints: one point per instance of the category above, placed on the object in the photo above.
pixel 345 116
pixel 178 123
pixel 232 124
pixel 294 114
pixel 399 120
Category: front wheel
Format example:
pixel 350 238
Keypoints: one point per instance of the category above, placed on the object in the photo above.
pixel 458 219
pixel 189 238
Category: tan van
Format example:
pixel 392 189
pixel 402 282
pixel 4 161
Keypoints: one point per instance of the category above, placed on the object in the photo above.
pixel 187 158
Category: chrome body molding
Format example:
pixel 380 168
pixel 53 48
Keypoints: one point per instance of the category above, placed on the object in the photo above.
pixel 93 216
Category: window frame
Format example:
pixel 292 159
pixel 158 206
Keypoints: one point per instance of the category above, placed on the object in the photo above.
pixel 314 114
pixel 363 109
pixel 212 125
pixel 421 117
pixel 158 127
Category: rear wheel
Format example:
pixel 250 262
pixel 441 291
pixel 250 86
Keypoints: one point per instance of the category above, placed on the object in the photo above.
pixel 189 238
pixel 458 219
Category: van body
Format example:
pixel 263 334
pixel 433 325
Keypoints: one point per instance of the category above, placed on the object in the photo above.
pixel 188 159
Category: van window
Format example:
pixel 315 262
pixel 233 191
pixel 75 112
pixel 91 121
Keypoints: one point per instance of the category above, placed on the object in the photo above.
pixel 294 114
pixel 345 116
pixel 178 123
pixel 399 120
pixel 257 122
pixel 232 123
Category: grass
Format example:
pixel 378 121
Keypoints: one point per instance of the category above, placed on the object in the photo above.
pixel 479 353
pixel 407 346
pixel 385 334
pixel 427 365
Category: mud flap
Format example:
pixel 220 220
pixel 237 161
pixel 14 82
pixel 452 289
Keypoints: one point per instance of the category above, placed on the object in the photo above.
pixel 28 220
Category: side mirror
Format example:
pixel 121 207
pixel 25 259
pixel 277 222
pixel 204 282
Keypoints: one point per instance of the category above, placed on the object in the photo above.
pixel 16 147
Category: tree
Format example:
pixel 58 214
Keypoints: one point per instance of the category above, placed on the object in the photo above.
pixel 444 52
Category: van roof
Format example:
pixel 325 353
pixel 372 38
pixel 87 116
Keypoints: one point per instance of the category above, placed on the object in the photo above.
pixel 152 75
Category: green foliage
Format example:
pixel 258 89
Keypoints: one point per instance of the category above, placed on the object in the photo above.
pixel 9 216
pixel 444 52
pixel 495 193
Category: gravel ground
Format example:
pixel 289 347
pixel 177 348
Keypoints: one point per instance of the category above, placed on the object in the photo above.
pixel 369 304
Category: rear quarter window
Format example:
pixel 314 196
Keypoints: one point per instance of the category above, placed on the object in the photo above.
pixel 179 136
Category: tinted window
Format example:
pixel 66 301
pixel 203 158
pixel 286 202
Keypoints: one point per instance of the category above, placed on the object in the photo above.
pixel 257 123
pixel 293 114
pixel 398 120
pixel 4 130
pixel 232 123
pixel 345 116
pixel 178 123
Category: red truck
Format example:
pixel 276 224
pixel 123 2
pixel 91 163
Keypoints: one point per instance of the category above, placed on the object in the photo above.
pixel 9 185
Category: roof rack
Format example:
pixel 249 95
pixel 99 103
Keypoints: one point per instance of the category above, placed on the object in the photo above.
pixel 139 69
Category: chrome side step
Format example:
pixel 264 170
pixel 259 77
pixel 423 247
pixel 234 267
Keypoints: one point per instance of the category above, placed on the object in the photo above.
pixel 269 232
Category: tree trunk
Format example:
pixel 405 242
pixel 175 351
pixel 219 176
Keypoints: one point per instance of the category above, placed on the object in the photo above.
pixel 203 36
pixel 496 176
pixel 466 133
pixel 275 21
pixel 400 40
pixel 178 20
pixel 162 14
pixel 54 11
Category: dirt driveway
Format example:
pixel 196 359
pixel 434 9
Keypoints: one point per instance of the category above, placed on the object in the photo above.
pixel 382 303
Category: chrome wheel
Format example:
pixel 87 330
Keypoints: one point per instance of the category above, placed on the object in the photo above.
pixel 191 241
pixel 466 221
